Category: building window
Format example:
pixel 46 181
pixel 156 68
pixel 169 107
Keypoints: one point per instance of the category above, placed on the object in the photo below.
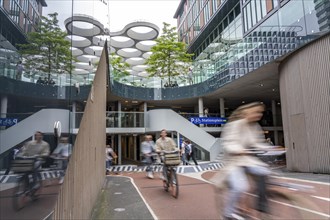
pixel 269 5
pixel 263 8
pixel 253 12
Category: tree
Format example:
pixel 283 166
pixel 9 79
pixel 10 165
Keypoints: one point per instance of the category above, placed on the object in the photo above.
pixel 47 49
pixel 169 57
pixel 119 67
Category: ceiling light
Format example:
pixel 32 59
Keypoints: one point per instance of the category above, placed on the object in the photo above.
pixel 261 84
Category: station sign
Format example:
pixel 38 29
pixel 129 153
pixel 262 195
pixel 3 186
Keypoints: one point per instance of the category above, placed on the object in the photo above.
pixel 208 120
pixel 8 121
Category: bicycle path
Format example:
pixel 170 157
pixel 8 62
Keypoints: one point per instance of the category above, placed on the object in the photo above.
pixel 197 198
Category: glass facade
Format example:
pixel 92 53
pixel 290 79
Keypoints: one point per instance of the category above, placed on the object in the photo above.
pixel 256 32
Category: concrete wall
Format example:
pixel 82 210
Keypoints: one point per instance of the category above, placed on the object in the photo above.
pixel 86 171
pixel 305 98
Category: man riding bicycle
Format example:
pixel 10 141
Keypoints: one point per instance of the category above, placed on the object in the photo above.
pixel 38 149
pixel 165 143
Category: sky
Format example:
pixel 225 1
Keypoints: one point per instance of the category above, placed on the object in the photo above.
pixel 121 12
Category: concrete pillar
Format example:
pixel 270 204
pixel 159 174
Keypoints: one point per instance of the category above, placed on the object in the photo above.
pixel 200 109
pixel 119 149
pixel 4 106
pixel 276 141
pixel 119 115
pixel 222 107
pixel 135 146
pixel 74 110
pixel 145 120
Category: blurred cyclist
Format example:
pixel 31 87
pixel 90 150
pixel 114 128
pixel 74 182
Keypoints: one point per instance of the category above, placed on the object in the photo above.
pixel 147 148
pixel 36 148
pixel 240 134
pixel 63 152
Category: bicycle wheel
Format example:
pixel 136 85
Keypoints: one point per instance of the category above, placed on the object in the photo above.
pixel 166 180
pixel 174 185
pixel 221 196
pixel 21 193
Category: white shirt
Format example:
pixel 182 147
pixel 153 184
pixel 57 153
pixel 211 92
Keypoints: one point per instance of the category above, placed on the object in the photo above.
pixel 64 149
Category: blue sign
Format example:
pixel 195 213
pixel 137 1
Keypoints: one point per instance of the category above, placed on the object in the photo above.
pixel 8 121
pixel 208 120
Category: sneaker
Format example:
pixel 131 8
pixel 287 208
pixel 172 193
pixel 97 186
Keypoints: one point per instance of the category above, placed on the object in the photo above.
pixel 36 186
pixel 61 180
pixel 150 175
pixel 234 217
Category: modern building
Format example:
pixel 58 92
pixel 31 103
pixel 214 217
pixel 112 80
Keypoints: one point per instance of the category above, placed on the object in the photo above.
pixel 248 42
pixel 241 53
pixel 17 18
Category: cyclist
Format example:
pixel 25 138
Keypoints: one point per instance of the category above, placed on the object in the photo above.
pixel 240 134
pixel 63 152
pixel 165 143
pixel 38 149
pixel 147 148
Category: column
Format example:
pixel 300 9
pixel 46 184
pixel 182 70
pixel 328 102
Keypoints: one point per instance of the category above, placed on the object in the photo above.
pixel 145 109
pixel 4 105
pixel 119 115
pixel 275 122
pixel 200 109
pixel 135 144
pixel 74 110
pixel 3 110
pixel 119 149
pixel 222 109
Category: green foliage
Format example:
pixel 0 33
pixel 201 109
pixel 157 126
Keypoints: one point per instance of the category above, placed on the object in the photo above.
pixel 169 57
pixel 47 49
pixel 119 67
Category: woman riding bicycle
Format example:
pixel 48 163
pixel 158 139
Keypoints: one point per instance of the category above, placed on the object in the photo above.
pixel 240 134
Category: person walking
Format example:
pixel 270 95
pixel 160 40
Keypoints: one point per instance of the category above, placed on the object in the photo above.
pixel 110 154
pixel 191 153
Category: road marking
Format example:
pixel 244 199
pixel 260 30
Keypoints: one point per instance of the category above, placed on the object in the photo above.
pixel 137 189
pixel 307 181
pixel 297 207
pixel 304 209
pixel 323 198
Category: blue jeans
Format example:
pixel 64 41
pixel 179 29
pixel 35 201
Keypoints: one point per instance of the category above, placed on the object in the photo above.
pixel 108 164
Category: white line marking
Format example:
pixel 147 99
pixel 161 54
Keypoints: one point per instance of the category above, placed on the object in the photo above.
pixel 297 207
pixel 323 198
pixel 151 211
pixel 307 181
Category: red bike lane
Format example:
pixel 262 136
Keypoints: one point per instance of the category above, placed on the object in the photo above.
pixel 198 199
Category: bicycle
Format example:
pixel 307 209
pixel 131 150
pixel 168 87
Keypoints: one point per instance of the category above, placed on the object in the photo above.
pixel 282 203
pixel 171 160
pixel 25 189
